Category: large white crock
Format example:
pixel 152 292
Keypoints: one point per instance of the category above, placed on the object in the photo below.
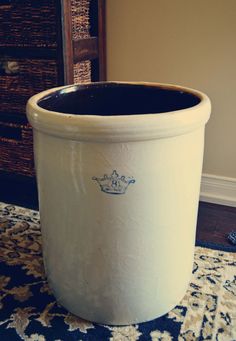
pixel 118 202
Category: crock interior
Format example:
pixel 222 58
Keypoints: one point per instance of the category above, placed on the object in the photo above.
pixel 108 99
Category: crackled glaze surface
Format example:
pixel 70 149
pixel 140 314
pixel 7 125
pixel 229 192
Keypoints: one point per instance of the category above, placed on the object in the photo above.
pixel 29 311
pixel 115 249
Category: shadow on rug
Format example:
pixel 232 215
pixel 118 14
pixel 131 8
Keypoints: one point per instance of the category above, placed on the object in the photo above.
pixel 28 310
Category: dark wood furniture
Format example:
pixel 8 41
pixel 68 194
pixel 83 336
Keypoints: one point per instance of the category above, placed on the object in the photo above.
pixel 43 44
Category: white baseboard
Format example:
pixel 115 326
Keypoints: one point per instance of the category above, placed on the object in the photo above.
pixel 218 190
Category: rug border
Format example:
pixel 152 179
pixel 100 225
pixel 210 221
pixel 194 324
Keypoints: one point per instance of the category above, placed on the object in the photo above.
pixel 215 246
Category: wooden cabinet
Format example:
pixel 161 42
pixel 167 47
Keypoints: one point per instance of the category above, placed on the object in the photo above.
pixel 43 44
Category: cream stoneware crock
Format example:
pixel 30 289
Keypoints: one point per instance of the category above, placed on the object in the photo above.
pixel 118 170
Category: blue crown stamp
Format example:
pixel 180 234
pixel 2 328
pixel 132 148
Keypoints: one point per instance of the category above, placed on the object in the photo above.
pixel 114 184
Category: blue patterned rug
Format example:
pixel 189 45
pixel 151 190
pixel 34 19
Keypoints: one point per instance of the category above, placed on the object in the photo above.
pixel 28 310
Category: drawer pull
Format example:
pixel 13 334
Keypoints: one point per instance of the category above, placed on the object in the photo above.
pixel 9 67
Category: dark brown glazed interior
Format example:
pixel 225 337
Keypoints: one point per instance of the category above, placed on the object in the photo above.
pixel 108 99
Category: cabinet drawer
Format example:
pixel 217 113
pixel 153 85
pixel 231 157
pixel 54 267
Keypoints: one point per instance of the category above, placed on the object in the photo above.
pixel 16 148
pixel 33 76
pixel 28 23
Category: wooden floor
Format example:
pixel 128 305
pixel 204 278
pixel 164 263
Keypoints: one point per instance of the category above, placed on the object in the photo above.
pixel 215 222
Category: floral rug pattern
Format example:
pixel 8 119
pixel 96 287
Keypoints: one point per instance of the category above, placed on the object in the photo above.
pixel 28 310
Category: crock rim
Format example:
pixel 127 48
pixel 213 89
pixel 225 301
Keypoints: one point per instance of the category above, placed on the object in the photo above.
pixel 115 128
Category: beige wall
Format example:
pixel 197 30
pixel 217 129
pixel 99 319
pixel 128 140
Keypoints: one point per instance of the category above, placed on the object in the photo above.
pixel 188 42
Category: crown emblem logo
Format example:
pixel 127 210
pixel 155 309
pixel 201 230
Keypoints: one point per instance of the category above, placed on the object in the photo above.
pixel 114 184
